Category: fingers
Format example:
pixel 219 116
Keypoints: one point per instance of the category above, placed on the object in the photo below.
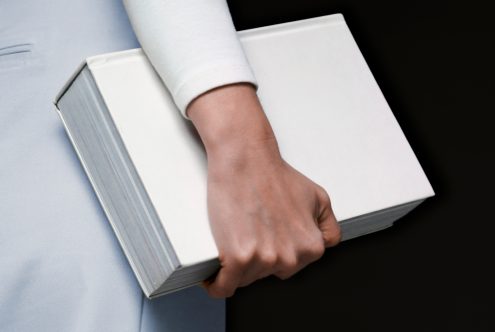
pixel 244 267
pixel 281 246
pixel 262 266
pixel 226 280
pixel 292 261
pixel 327 223
pixel 241 269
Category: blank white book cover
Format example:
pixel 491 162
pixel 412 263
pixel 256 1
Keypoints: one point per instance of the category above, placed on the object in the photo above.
pixel 331 120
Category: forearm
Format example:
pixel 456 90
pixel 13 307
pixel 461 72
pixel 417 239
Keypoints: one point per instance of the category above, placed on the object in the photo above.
pixel 230 117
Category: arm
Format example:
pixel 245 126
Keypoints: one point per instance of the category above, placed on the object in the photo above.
pixel 266 217
pixel 192 44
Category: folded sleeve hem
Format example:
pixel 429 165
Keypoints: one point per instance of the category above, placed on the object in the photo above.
pixel 210 78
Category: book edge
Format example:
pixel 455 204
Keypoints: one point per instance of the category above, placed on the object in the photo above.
pixel 99 59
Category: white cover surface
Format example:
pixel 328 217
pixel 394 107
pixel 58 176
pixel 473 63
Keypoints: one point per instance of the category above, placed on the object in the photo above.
pixel 331 120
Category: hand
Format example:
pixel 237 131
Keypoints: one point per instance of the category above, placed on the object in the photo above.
pixel 266 217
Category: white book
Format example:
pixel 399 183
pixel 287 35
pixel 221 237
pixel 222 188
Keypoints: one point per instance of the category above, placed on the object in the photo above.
pixel 148 166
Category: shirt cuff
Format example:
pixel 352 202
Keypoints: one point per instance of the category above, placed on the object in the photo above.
pixel 210 78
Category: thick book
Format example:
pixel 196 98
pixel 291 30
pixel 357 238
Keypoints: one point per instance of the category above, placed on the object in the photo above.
pixel 148 167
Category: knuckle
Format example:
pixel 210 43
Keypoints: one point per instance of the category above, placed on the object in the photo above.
pixel 264 274
pixel 325 197
pixel 313 247
pixel 268 258
pixel 285 274
pixel 242 258
pixel 311 253
pixel 333 238
pixel 317 249
pixel 289 262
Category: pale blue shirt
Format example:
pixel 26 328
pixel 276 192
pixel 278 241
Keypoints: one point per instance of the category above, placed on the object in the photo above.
pixel 61 267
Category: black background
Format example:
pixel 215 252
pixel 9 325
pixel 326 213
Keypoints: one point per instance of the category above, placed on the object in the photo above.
pixel 432 271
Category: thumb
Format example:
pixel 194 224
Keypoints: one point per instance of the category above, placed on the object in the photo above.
pixel 326 221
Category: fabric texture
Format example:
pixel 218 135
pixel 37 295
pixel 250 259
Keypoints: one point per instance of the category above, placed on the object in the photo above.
pixel 192 45
pixel 61 267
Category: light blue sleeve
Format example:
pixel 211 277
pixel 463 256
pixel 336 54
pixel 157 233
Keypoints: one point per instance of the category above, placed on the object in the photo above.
pixel 61 268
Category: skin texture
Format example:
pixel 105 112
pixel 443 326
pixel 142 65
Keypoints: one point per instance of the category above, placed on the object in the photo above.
pixel 266 217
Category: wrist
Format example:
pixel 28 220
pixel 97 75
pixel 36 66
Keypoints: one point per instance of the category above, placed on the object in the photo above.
pixel 230 119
